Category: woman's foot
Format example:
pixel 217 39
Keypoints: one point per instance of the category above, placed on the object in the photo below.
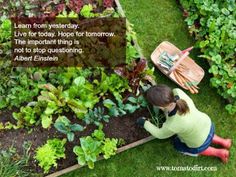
pixel 223 154
pixel 226 143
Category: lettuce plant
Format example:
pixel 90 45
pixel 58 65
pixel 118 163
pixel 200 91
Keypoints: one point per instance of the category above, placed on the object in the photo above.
pixel 79 97
pixel 93 146
pixel 88 151
pixel 26 116
pixel 48 154
pixel 86 11
pixel 113 84
pixel 109 147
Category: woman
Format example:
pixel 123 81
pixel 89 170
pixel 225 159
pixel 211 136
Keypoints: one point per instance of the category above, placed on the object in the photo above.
pixel 193 130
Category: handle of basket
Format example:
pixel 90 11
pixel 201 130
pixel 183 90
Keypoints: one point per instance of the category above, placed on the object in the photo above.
pixel 187 50
pixel 178 62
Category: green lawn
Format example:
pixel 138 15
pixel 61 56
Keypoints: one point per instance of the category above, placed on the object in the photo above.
pixel 156 21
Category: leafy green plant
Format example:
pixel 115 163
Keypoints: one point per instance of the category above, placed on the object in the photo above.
pixel 46 117
pixel 86 92
pixel 139 101
pixel 98 133
pixel 121 142
pixel 231 108
pixel 48 154
pixel 8 126
pixel 5 32
pixel 113 84
pixel 131 51
pixel 18 85
pixel 13 8
pixel 96 116
pixel 79 97
pixel 27 116
pixel 92 146
pixel 64 125
pixel 114 110
pixel 53 101
pixel 88 151
pixel 157 115
pixel 109 12
pixel 64 14
pixel 110 147
pixel 121 109
pixel 86 11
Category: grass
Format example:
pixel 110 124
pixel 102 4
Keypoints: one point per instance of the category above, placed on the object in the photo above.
pixel 11 164
pixel 155 21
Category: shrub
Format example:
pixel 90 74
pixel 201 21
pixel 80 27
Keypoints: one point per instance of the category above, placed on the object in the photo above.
pixel 213 25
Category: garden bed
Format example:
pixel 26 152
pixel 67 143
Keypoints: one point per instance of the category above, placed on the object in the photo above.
pixel 120 127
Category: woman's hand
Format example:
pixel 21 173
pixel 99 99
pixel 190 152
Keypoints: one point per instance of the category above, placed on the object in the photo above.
pixel 140 121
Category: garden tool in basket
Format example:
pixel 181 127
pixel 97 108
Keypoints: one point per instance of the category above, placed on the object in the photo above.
pixel 178 66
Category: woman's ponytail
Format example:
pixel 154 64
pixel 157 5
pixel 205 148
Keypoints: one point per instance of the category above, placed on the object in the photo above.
pixel 182 106
pixel 162 96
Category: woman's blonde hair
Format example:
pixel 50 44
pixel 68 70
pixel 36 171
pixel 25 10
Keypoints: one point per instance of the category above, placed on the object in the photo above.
pixel 162 95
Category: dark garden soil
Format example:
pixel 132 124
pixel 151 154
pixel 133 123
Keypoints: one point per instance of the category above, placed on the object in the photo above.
pixel 120 127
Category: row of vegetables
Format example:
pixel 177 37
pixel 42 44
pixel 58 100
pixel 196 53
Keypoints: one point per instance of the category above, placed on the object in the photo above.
pixel 213 25
pixel 90 148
